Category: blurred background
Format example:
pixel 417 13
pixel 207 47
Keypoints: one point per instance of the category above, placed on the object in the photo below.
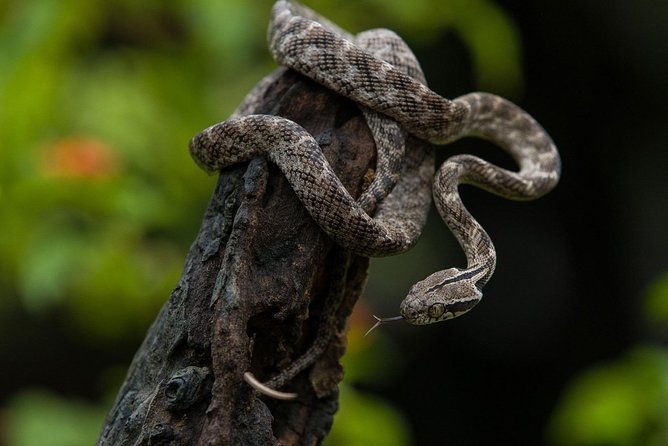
pixel 99 202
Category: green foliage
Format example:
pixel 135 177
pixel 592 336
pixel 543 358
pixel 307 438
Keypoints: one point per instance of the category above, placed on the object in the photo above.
pixel 366 421
pixel 40 418
pixel 624 402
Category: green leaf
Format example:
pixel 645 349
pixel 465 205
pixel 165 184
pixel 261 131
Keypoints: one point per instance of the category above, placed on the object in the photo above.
pixel 621 403
pixel 38 418
pixel 366 421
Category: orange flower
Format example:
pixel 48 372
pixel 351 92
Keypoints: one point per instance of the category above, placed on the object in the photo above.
pixel 79 157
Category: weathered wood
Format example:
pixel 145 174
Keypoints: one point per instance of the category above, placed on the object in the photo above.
pixel 251 299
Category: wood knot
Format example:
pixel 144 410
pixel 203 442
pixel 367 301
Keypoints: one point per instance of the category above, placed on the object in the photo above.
pixel 186 387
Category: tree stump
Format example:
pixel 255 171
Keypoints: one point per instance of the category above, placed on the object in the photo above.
pixel 251 298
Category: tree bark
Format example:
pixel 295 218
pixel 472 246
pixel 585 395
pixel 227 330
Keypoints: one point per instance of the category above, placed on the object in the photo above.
pixel 251 298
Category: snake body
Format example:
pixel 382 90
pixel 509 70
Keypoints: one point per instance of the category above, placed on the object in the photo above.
pixel 376 70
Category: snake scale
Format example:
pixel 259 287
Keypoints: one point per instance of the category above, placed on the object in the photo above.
pixel 378 71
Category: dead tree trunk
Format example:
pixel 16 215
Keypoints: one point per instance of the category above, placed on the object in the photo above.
pixel 251 298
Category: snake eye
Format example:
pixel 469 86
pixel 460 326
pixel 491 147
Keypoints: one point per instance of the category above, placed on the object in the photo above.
pixel 436 310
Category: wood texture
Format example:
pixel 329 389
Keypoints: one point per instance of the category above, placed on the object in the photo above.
pixel 250 299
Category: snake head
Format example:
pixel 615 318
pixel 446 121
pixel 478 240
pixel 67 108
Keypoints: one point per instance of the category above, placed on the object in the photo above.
pixel 443 295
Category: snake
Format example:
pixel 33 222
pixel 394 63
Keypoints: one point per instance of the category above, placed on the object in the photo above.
pixel 377 71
